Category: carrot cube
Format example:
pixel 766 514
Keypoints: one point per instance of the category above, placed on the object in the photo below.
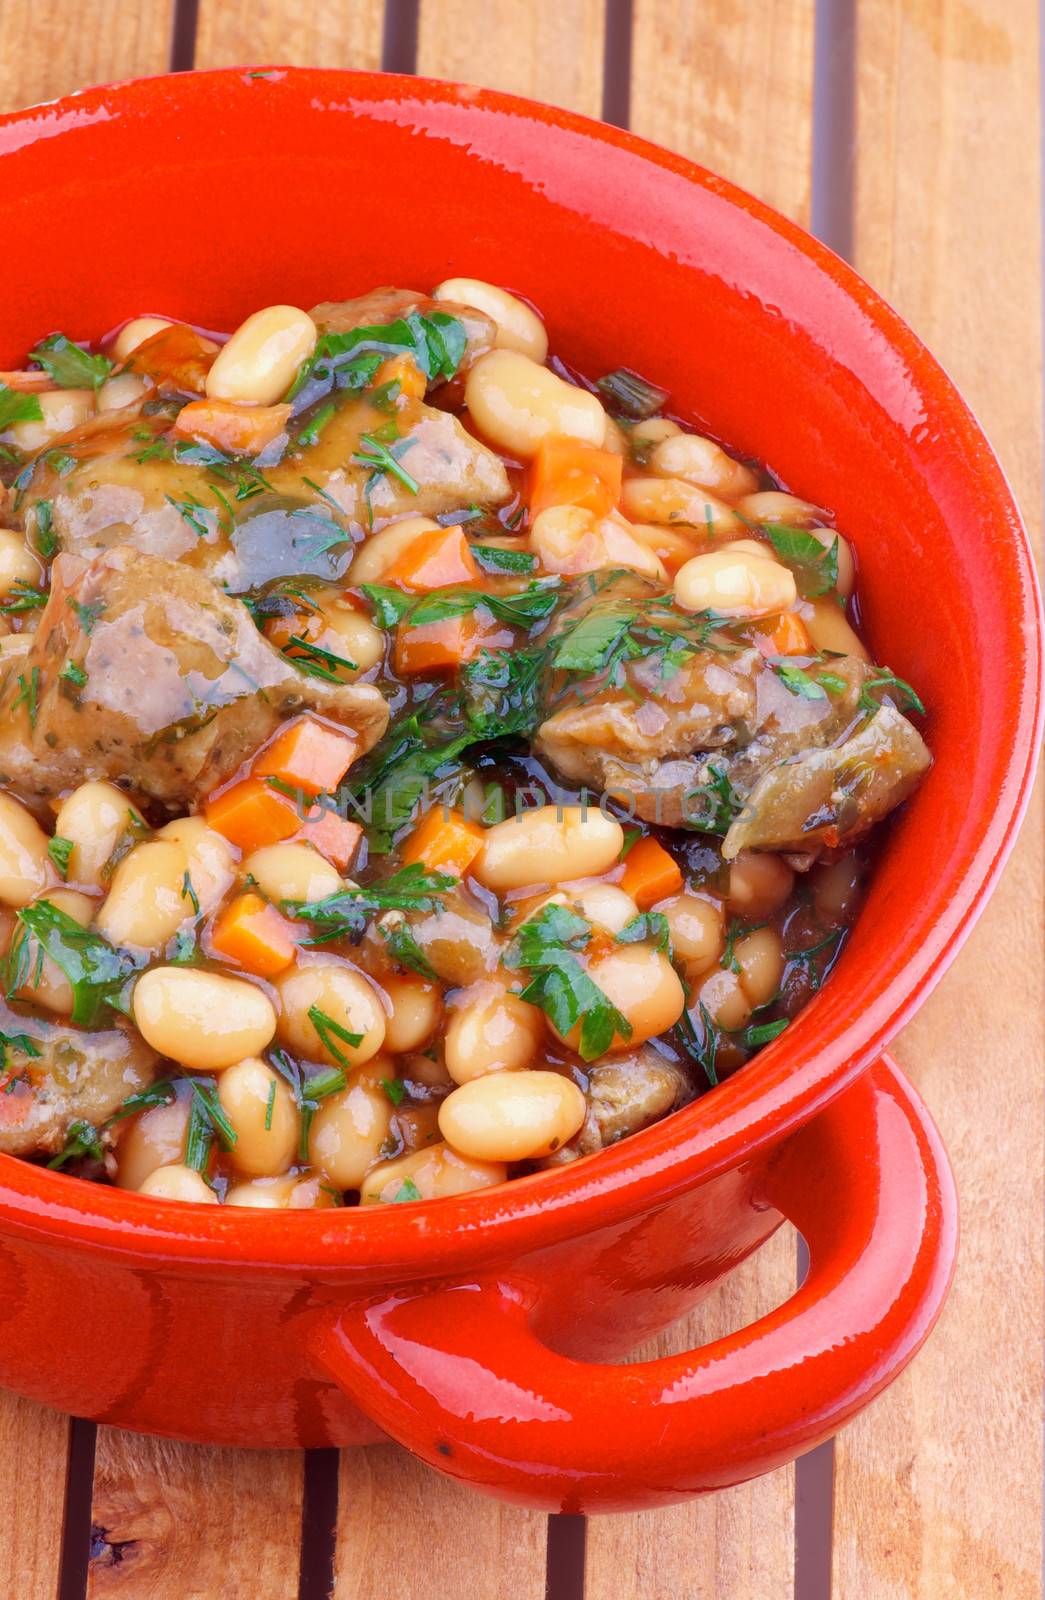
pixel 308 755
pixel 251 814
pixel 252 933
pixel 332 835
pixel 436 560
pixel 444 842
pixel 650 874
pixel 566 472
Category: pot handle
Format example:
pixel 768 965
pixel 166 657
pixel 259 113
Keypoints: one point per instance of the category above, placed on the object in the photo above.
pixel 460 1378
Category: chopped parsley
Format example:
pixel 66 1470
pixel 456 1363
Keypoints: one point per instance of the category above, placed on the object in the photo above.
pixel 346 913
pixel 18 406
pixel 97 972
pixel 384 461
pixel 60 850
pixel 798 681
pixel 71 673
pixel 329 1031
pixel 28 695
pixel 44 536
pixel 394 1089
pixel 888 683
pixel 21 1043
pixel 189 893
pixel 435 340
pixel 194 512
pixel 547 947
pixel 69 365
pixel 407 1190
pixel 87 614
pixel 814 565
pixel 492 558
pixel 81 1140
pixel 206 1119
pixel 22 597
pixel 405 950
pixel 648 925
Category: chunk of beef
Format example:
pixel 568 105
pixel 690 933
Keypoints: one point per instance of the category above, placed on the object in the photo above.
pixel 243 529
pixel 77 1077
pixel 628 1093
pixel 143 672
pixel 832 796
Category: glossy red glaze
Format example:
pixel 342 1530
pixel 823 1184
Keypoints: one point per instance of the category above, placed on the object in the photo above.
pixel 437 1322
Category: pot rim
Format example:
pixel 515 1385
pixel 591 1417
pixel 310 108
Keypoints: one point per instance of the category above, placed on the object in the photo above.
pixel 752 1110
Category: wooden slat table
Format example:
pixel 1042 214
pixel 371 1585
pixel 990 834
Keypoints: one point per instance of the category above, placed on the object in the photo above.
pixel 907 133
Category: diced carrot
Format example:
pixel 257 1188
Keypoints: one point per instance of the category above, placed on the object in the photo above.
pixel 176 355
pixel 566 472
pixel 443 646
pixel 252 933
pixel 790 637
pixel 404 371
pixel 444 842
pixel 251 814
pixel 669 545
pixel 332 835
pixel 27 381
pixel 650 874
pixel 237 429
pixel 435 560
pixel 308 755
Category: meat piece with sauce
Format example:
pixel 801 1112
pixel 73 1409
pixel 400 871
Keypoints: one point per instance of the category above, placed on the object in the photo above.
pixel 116 481
pixel 143 672
pixel 77 1077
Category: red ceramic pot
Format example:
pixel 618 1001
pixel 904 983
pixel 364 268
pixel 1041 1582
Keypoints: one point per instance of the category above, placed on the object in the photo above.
pixel 480 1331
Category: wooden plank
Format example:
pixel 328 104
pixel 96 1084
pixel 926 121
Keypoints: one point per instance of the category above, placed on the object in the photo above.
pixel 938 1486
pixel 45 53
pixel 731 86
pixel 236 32
pixel 403 1530
pixel 551 52
pixel 178 1522
pixel 701 80
pixel 34 1446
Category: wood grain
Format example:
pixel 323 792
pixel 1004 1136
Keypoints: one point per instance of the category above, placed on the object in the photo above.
pixel 403 1530
pixel 44 52
pixel 731 86
pixel 938 1486
pixel 178 1522
pixel 240 32
pixel 550 51
pixel 701 80
pixel 33 1452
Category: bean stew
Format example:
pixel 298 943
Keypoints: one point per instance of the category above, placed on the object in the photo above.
pixel 419 765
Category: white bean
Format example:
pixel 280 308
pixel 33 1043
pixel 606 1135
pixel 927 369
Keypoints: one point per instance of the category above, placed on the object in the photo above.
pixel 735 583
pixel 355 637
pixel 645 988
pixel 209 861
pixel 126 389
pixel 606 906
pixel 673 500
pixel 203 1020
pixel 429 1174
pixel 51 988
pixel 95 817
pixel 261 360
pixel 518 327
pixel 829 629
pixel 490 1030
pixel 25 867
pixel 349 1130
pixel 722 995
pixel 264 1118
pixel 416 1008
pixel 291 872
pixel 383 549
pixel 772 505
pixel 179 1183
pixel 147 900
pixel 154 1138
pixel 552 844
pixel 63 410
pixel 512 1116
pixel 654 429
pixel 759 882
pixel 344 997
pixel 696 930
pixel 569 539
pixel 134 333
pixel 702 461
pixel 760 957
pixel 17 562
pixel 515 402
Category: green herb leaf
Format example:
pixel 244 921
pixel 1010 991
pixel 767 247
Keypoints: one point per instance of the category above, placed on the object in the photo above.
pixel 22 597
pixel 189 893
pixel 384 461
pixel 73 674
pixel 630 395
pixel 81 1140
pixel 814 565
pixel 157 1094
pixel 798 681
pixel 395 1090
pixel 547 945
pixel 96 971
pixel 346 913
pixel 44 536
pixel 18 406
pixel 28 695
pixel 887 682
pixel 407 1190
pixel 70 365
pixel 60 850
pixel 405 950
pixel 20 1042
pixel 761 1033
pixel 87 614
pixel 648 925
pixel 492 558
pixel 328 1031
